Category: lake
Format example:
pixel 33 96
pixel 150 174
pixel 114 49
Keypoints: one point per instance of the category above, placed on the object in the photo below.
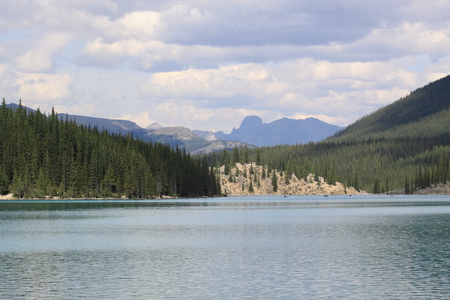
pixel 257 247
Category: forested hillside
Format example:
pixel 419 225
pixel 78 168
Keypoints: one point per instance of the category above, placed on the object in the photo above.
pixel 42 156
pixel 423 113
pixel 405 145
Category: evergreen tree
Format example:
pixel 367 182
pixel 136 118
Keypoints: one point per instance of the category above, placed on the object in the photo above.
pixel 274 181
pixel 376 186
pixel 356 181
pixel 258 156
pixel 236 156
pixel 407 189
pixel 286 180
pixel 250 187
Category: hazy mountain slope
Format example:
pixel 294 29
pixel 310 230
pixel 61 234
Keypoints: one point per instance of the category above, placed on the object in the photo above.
pixel 114 126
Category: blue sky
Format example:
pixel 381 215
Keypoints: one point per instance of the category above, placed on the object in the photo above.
pixel 208 64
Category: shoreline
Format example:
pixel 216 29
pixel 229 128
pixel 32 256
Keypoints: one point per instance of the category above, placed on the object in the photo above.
pixel 10 197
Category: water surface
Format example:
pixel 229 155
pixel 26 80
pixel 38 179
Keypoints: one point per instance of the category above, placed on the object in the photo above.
pixel 262 247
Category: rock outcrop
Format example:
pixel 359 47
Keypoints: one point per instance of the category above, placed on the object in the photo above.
pixel 7 197
pixel 247 179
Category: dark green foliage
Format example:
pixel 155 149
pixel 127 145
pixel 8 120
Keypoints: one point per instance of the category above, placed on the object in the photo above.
pixel 258 157
pixel 407 187
pixel 275 181
pixel 250 188
pixel 286 179
pixel 376 186
pixel 44 156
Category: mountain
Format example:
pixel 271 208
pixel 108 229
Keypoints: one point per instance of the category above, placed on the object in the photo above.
pixel 114 126
pixel 184 137
pixel 154 126
pixel 207 135
pixel 280 132
pixel 423 113
pixel 175 136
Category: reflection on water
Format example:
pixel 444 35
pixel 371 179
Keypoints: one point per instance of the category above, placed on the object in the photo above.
pixel 235 248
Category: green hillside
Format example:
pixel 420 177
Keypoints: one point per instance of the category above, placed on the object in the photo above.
pixel 405 145
pixel 423 113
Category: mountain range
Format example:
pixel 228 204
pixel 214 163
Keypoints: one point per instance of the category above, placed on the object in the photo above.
pixel 251 133
pixel 280 132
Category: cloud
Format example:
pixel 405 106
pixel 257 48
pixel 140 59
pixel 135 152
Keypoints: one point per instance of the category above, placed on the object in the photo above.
pixel 41 88
pixel 42 54
pixel 303 87
pixel 8 87
pixel 140 25
pixel 225 82
pixel 185 63
pixel 405 39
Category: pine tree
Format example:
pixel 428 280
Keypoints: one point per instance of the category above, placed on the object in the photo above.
pixel 230 178
pixel 407 189
pixel 286 180
pixel 236 157
pixel 356 181
pixel 376 186
pixel 274 181
pixel 258 157
pixel 250 188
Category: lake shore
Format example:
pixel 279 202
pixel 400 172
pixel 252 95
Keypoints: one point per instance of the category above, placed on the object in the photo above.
pixel 11 197
pixel 439 189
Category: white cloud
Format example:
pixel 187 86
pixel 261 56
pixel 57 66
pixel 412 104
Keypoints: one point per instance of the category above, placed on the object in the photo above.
pixel 143 119
pixel 8 87
pixel 42 88
pixel 140 25
pixel 42 53
pixel 225 82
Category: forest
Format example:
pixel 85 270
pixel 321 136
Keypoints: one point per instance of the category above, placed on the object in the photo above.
pixel 44 156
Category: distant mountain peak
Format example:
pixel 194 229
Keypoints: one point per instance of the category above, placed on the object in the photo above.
pixel 280 132
pixel 154 126
pixel 251 122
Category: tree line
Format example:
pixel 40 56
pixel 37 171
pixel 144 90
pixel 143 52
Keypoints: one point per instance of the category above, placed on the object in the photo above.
pixel 43 155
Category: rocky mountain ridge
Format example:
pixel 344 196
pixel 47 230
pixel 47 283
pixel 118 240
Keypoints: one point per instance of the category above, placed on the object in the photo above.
pixel 279 132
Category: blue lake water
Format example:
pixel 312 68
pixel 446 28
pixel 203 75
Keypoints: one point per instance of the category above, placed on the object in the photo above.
pixel 262 247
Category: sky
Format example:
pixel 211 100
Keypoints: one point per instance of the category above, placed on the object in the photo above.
pixel 208 64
